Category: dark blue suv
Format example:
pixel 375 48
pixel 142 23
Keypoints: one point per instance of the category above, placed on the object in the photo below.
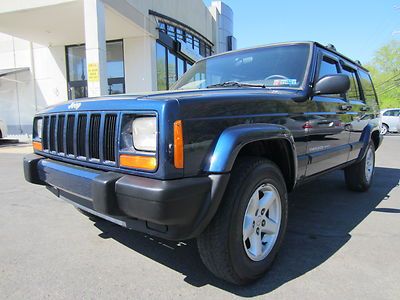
pixel 215 157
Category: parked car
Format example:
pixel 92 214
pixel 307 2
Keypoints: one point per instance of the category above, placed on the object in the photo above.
pixel 390 120
pixel 215 157
pixel 360 123
pixel 3 129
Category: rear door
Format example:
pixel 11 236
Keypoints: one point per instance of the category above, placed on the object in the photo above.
pixel 365 111
pixel 328 140
pixel 359 112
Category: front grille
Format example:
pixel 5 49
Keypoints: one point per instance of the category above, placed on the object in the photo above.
pixel 83 136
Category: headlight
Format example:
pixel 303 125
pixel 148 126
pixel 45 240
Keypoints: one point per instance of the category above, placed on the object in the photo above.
pixel 144 133
pixel 38 128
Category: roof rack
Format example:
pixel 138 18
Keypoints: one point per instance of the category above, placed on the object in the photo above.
pixel 331 47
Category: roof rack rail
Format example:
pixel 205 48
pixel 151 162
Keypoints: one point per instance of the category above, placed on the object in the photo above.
pixel 358 62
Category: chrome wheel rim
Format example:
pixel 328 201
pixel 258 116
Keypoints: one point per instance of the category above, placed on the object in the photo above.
pixel 261 222
pixel 383 129
pixel 369 164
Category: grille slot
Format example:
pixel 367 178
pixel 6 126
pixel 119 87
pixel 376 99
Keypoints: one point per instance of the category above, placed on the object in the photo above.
pixel 109 137
pixel 81 136
pixel 45 139
pixel 94 136
pixel 52 137
pixel 60 134
pixel 70 134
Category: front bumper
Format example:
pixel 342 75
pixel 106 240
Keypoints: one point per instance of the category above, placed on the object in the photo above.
pixel 173 209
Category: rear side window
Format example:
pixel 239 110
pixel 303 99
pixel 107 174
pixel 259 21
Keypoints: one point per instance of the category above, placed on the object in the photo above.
pixel 354 91
pixel 328 67
pixel 366 84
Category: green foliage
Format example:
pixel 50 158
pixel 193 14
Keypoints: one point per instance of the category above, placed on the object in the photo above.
pixel 385 72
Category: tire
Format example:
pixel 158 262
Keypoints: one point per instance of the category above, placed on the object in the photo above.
pixel 222 246
pixel 359 176
pixel 384 129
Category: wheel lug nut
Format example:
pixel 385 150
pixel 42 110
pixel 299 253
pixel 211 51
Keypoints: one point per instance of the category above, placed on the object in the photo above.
pixel 263 223
pixel 258 230
pixel 263 211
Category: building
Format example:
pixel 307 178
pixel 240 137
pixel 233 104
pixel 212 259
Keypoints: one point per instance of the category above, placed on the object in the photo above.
pixel 54 50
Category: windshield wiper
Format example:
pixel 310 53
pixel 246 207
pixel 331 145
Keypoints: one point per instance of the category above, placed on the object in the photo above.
pixel 235 84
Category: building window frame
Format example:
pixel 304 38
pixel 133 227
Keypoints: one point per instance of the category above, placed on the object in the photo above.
pixel 83 82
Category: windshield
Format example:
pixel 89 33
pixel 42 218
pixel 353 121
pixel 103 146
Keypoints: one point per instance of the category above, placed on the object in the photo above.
pixel 273 66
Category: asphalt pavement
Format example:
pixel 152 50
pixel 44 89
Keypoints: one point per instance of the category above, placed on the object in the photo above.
pixel 339 245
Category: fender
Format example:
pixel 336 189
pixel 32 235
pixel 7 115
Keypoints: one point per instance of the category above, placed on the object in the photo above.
pixel 366 137
pixel 234 138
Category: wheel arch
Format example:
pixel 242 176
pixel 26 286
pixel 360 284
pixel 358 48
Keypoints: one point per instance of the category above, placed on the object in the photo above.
pixel 271 141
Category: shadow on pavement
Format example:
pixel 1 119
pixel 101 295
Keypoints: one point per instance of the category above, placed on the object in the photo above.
pixel 322 214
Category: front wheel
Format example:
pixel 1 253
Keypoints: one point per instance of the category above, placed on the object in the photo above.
pixel 359 176
pixel 241 242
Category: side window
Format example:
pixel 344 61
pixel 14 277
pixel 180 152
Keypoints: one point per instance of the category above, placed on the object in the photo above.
pixel 368 89
pixel 354 91
pixel 388 113
pixel 328 67
pixel 392 113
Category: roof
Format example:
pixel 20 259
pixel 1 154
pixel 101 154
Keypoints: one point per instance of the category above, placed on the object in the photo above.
pixel 295 43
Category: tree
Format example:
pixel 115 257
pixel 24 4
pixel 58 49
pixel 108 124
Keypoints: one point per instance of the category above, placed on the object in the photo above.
pixel 385 71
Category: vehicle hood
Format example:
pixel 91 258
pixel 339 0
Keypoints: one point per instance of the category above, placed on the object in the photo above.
pixel 191 102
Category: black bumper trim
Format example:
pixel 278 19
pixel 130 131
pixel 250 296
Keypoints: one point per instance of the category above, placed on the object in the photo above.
pixel 173 209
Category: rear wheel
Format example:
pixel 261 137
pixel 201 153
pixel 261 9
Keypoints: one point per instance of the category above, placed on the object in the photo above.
pixel 384 129
pixel 359 176
pixel 242 240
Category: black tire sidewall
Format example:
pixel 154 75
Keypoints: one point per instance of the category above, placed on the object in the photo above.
pixel 244 267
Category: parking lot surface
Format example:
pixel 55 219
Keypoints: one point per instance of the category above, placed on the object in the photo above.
pixel 340 244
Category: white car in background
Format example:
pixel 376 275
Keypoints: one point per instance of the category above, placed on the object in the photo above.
pixel 3 129
pixel 390 120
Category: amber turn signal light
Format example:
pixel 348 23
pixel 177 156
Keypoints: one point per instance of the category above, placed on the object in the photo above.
pixel 148 163
pixel 37 146
pixel 178 144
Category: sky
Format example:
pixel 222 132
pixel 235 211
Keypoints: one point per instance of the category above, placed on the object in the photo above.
pixel 356 28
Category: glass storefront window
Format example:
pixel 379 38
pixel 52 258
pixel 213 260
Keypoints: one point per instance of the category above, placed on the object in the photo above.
pixel 196 46
pixel 171 65
pixel 77 63
pixel 171 31
pixel 77 73
pixel 161 61
pixel 171 68
pixel 115 60
pixel 181 67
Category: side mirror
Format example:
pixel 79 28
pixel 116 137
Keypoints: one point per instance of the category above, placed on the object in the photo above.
pixel 332 84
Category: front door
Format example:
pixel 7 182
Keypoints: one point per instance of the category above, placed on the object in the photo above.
pixel 328 137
